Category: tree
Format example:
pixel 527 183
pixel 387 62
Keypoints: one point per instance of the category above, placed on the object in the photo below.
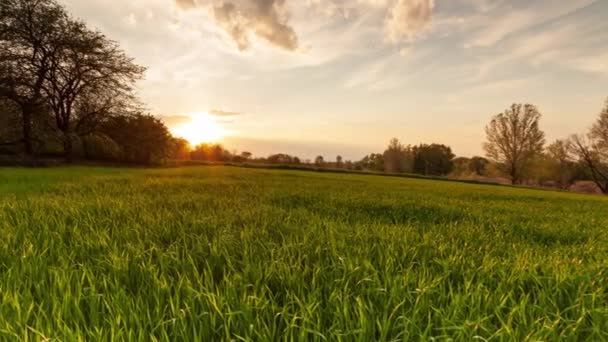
pixel 143 138
pixel 246 155
pixel 90 76
pixel 592 150
pixel 599 131
pixel 99 146
pixel 478 165
pixel 180 149
pixel 319 161
pixel 514 138
pixel 339 162
pixel 282 158
pixel 373 162
pixel 561 169
pixel 9 126
pixel 596 163
pixel 434 159
pixel 211 152
pixel 30 31
pixel 397 158
pixel 461 166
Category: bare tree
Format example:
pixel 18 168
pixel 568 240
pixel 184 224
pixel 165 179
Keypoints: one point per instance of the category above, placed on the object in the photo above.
pixel 562 169
pixel 592 150
pixel 599 131
pixel 514 138
pixel 595 161
pixel 88 78
pixel 29 32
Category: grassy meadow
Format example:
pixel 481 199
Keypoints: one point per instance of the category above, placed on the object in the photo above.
pixel 224 253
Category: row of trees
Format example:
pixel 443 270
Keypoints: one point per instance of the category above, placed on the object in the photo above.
pixel 515 148
pixel 66 89
pixel 517 144
pixel 425 159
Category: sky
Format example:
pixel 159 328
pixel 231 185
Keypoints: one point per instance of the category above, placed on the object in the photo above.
pixel 342 77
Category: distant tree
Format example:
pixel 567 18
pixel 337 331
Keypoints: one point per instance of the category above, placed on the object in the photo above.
pixel 219 153
pixel 246 155
pixel 349 165
pixel 587 151
pixel 514 138
pixel 434 159
pixel 30 32
pixel 599 131
pixel 461 166
pixel 592 150
pixel 376 162
pixel 562 171
pixel 241 157
pixel 211 152
pixel 319 161
pixel 339 162
pixel 282 158
pixel 397 158
pixel 180 149
pixel 478 165
pixel 372 162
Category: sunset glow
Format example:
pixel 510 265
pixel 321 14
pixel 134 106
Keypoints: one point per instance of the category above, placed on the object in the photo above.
pixel 342 76
pixel 202 128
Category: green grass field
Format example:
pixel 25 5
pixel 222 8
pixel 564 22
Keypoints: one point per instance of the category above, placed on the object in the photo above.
pixel 223 253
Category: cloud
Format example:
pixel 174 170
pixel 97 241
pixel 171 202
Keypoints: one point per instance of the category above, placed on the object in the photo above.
pixel 186 4
pixel 242 19
pixel 592 64
pixel 408 18
pixel 219 112
pixel 224 122
pixel 505 20
pixel 344 9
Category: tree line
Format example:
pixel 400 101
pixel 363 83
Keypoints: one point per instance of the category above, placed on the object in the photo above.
pixel 69 91
pixel 515 149
pixel 66 89
pixel 517 144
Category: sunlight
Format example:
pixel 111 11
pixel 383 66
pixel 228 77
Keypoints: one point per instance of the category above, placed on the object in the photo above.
pixel 202 128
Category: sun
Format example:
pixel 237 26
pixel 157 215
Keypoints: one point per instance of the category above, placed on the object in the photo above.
pixel 202 128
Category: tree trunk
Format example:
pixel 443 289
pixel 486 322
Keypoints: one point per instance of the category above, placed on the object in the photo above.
pixel 27 133
pixel 67 148
pixel 514 178
pixel 85 149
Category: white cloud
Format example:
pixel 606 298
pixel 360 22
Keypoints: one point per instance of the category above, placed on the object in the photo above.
pixel 130 20
pixel 407 18
pixel 501 21
pixel 240 19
